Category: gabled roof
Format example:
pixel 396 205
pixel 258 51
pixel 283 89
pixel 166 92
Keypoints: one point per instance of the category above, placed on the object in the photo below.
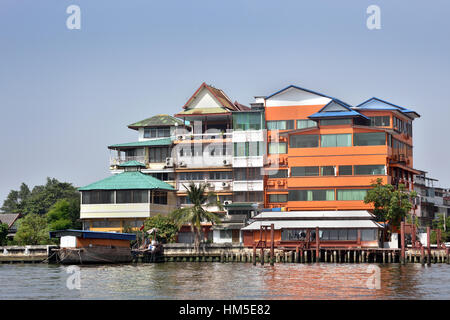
pixel 145 143
pixel 9 218
pixel 378 104
pixel 336 109
pixel 159 120
pixel 128 180
pixel 299 88
pixel 132 163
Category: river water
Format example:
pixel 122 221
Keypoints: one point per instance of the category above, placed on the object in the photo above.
pixel 190 280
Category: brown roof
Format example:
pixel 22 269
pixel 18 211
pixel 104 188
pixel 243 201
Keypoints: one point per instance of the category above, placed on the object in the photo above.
pixel 9 218
pixel 223 99
pixel 241 107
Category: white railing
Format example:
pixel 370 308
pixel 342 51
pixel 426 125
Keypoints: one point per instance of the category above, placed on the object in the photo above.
pixel 204 136
pixel 114 161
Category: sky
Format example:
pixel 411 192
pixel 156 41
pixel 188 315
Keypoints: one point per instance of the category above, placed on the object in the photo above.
pixel 65 95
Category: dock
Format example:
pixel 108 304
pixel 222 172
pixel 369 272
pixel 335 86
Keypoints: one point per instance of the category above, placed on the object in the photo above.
pixel 26 254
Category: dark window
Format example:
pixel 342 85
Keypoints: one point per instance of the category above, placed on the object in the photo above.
pixel 280 125
pixel 304 141
pixel 158 132
pixel 369 139
pixel 345 170
pixel 242 174
pixel 132 196
pixel 380 121
pixel 327 171
pixel 160 197
pixel 158 154
pixel 311 195
pixel 276 174
pixel 304 171
pixel 274 198
pixel 97 197
pixel 369 170
pixel 220 175
pixel 334 122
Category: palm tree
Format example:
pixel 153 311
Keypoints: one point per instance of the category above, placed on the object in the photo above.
pixel 196 214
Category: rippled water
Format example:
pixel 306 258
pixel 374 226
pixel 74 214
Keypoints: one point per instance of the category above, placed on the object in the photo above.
pixel 227 281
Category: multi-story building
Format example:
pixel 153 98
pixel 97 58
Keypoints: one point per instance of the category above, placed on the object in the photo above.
pixel 432 200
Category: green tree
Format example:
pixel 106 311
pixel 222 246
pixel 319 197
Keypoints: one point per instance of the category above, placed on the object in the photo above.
pixel 166 228
pixel 40 199
pixel 32 230
pixel 3 233
pixel 64 214
pixel 442 224
pixel 389 203
pixel 195 214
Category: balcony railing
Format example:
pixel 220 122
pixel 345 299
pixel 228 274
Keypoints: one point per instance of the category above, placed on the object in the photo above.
pixel 114 161
pixel 203 136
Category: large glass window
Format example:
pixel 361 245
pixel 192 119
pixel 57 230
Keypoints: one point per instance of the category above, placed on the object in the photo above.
pixel 158 154
pixel 303 124
pixel 311 195
pixel 158 132
pixel 280 125
pixel 380 121
pixel 327 171
pixel 277 174
pixel 160 197
pixel 334 122
pixel 351 194
pixel 97 196
pixel 242 174
pixel 304 141
pixel 132 196
pixel 368 234
pixel 277 147
pixel 304 171
pixel 336 140
pixel 220 175
pixel 191 176
pixel 248 149
pixel 345 170
pixel 369 170
pixel 369 139
pixel 293 234
pixel 274 198
pixel 247 121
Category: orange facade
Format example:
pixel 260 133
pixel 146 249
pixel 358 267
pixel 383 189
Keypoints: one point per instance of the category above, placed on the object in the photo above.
pixel 343 190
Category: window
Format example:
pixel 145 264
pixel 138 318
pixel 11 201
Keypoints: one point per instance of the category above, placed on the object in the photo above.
pixel 132 154
pixel 251 196
pixel 248 149
pixel 277 174
pixel 370 170
pixel 280 125
pixel 247 121
pixel 191 176
pixel 369 139
pixel 243 174
pixel 163 176
pixel 273 198
pixel 160 197
pixel 157 132
pixel 220 175
pixel 327 171
pixel 351 194
pixel 132 196
pixel 311 195
pixel 304 141
pixel 97 196
pixel 345 170
pixel 226 234
pixel 304 171
pixel 158 154
pixel 303 124
pixel 293 234
pixel 336 140
pixel 334 122
pixel 380 121
pixel 277 147
pixel 368 234
pixel 106 223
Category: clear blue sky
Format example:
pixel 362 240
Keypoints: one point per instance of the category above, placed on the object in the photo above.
pixel 67 94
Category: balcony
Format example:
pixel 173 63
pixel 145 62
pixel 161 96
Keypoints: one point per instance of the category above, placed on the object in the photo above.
pixel 251 161
pixel 248 185
pixel 208 136
pixel 212 185
pixel 115 161
pixel 206 160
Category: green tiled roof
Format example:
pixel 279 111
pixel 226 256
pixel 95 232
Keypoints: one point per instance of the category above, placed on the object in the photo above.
pixel 132 163
pixel 147 143
pixel 155 121
pixel 128 180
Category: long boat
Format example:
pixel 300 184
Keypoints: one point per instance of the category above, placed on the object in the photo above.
pixel 93 247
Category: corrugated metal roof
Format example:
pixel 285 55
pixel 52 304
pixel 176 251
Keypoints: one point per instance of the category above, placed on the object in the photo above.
pixel 9 218
pixel 322 224
pixel 126 181
pixel 146 143
pixel 319 215
pixel 132 163
pixel 155 121
pixel 92 234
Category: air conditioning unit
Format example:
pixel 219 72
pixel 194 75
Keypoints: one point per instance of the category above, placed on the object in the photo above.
pixel 280 182
pixel 182 164
pixel 227 202
pixel 180 137
pixel 169 162
pixel 226 162
pixel 225 184
pixel 270 183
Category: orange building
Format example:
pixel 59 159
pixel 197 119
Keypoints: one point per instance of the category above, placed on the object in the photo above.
pixel 324 154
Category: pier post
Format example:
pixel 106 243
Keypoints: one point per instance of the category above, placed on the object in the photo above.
pixel 428 245
pixel 297 257
pixel 254 255
pixel 261 256
pixel 317 244
pixel 402 239
pixel 272 245
pixel 334 256
pixel 448 251
pixel 422 255
pixel 301 256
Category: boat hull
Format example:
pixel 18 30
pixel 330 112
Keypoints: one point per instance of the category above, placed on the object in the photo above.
pixel 94 255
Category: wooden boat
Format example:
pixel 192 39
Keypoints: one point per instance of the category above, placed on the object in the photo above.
pixel 92 247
